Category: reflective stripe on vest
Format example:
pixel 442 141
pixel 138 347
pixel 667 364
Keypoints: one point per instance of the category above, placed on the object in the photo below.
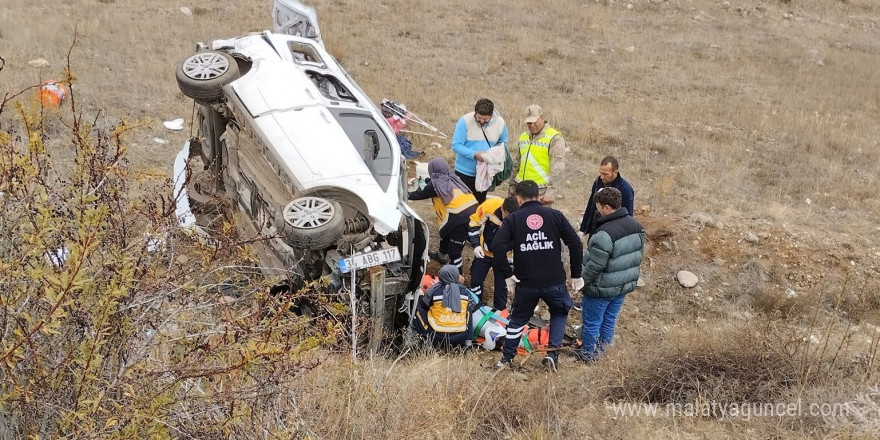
pixel 535 157
pixel 486 213
pixel 444 320
pixel 460 201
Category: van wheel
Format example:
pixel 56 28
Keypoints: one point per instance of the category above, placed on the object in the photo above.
pixel 202 75
pixel 313 222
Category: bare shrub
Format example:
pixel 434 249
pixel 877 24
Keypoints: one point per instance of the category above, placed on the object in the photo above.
pixel 861 414
pixel 111 322
pixel 860 301
pixel 754 282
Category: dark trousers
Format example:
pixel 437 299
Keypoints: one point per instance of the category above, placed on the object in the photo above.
pixel 452 243
pixel 438 339
pixel 479 270
pixel 524 301
pixel 471 183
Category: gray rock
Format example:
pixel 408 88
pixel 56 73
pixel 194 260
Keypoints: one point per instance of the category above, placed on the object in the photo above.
pixel 687 279
pixel 701 219
pixel 790 293
pixel 752 238
pixel 640 282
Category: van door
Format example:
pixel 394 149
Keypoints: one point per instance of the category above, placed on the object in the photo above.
pixel 294 18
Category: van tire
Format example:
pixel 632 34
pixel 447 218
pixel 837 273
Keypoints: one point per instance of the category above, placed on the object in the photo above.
pixel 203 74
pixel 313 223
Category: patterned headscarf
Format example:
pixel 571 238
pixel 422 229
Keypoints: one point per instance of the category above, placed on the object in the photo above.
pixel 444 180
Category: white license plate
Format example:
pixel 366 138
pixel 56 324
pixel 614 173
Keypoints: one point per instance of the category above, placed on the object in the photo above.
pixel 369 259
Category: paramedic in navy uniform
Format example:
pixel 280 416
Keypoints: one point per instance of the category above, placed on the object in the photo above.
pixel 535 233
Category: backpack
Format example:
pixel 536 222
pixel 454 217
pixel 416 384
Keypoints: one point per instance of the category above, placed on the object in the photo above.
pixel 506 172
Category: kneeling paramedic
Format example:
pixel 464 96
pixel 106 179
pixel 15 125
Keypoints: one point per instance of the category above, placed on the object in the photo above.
pixel 443 312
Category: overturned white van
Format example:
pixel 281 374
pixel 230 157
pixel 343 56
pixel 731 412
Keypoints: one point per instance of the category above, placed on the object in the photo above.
pixel 306 162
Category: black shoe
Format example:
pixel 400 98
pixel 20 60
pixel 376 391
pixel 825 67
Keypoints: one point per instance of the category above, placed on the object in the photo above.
pixel 550 361
pixel 439 257
pixel 504 363
pixel 580 356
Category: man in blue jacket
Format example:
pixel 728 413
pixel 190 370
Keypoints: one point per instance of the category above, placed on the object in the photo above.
pixel 608 177
pixel 535 233
pixel 610 271
pixel 475 133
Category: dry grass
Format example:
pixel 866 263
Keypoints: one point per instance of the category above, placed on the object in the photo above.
pixel 729 363
pixel 737 111
pixel 717 100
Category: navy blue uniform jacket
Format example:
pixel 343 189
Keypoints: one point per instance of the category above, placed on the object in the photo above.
pixel 535 234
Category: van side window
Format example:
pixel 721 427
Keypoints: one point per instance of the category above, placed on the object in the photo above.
pixel 305 54
pixel 330 87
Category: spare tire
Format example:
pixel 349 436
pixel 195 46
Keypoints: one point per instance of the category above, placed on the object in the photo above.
pixel 203 75
pixel 313 222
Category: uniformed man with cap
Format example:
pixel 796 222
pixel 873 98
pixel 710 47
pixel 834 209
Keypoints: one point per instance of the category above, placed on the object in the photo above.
pixel 541 156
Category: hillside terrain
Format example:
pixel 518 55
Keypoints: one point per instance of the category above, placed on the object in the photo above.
pixel 748 129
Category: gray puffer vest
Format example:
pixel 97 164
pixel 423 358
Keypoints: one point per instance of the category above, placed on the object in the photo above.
pixel 614 254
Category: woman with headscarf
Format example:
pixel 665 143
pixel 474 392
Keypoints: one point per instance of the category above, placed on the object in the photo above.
pixel 454 203
pixel 443 312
